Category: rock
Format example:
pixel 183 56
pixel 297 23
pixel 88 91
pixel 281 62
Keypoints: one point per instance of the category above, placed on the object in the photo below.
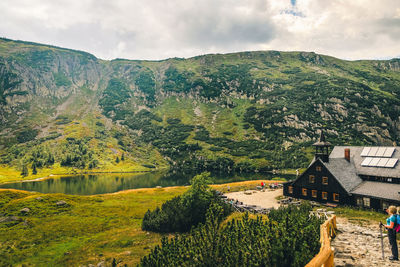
pixel 9 219
pixel 101 264
pixel 61 203
pixel 158 186
pixel 39 198
pixel 25 210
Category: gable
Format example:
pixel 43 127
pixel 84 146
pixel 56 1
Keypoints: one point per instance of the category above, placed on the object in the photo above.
pixel 318 170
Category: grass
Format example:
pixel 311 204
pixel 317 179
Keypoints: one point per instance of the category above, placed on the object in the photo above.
pixel 91 229
pixel 360 215
pixel 12 174
pixel 88 230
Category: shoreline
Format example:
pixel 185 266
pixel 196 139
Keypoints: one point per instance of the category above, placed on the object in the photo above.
pixel 74 174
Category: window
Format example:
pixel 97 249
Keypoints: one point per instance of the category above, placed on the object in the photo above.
pixel 311 179
pixel 359 201
pixel 325 195
pixel 324 180
pixel 304 191
pixel 367 201
pixel 336 197
pixel 318 168
pixel 314 193
pixel 290 190
pixel 389 179
pixel 385 205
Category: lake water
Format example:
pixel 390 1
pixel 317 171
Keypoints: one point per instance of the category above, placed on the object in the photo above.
pixel 109 183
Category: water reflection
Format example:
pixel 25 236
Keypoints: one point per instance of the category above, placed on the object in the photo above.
pixel 108 183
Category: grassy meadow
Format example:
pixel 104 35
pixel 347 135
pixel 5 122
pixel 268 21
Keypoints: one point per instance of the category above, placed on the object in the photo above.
pixel 87 230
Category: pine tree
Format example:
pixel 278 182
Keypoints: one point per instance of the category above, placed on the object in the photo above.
pixel 123 157
pixel 34 171
pixel 117 160
pixel 25 171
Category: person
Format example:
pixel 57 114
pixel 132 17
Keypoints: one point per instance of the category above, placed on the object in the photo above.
pixel 391 222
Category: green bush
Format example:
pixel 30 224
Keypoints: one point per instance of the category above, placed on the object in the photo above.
pixel 181 213
pixel 289 237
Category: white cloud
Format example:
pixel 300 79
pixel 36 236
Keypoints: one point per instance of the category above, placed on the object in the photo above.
pixel 153 29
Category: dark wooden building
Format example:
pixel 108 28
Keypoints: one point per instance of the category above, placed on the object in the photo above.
pixel 352 175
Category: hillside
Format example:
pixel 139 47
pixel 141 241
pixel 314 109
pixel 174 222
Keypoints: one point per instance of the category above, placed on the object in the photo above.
pixel 64 110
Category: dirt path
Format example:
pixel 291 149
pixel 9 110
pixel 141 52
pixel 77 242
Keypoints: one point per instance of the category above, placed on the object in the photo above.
pixel 265 199
pixel 357 245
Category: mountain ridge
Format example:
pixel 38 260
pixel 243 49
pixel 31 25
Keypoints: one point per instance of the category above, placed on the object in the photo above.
pixel 237 111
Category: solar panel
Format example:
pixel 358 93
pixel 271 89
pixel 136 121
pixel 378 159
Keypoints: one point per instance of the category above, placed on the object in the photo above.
pixel 374 162
pixel 380 152
pixel 382 162
pixel 365 151
pixel 372 151
pixel 366 162
pixel 391 163
pixel 389 152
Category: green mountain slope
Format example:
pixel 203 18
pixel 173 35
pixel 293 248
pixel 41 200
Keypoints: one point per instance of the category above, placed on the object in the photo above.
pixel 244 111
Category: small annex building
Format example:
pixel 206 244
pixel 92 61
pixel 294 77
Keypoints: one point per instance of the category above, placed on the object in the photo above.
pixel 350 175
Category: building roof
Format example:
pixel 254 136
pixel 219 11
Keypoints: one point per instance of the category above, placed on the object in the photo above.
pixel 379 190
pixel 344 172
pixel 357 159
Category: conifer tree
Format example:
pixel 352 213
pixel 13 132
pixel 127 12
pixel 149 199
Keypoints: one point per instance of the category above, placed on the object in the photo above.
pixel 25 171
pixel 117 160
pixel 34 171
pixel 123 157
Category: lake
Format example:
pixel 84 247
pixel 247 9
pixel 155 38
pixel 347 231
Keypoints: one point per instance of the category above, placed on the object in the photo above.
pixel 91 184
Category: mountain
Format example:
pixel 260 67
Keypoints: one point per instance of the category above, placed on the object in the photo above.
pixel 66 110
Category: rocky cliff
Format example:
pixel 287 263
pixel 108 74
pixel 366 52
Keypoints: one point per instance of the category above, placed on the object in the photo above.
pixel 244 111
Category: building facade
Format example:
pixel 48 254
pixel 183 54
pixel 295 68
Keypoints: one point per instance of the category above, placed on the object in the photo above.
pixel 358 176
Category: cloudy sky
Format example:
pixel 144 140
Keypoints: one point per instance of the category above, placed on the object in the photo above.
pixel 158 29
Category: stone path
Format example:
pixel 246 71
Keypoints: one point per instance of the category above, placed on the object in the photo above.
pixel 360 245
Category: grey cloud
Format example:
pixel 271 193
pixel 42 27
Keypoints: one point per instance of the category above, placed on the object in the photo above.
pixel 153 29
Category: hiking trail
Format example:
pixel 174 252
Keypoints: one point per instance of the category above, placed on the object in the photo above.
pixel 360 245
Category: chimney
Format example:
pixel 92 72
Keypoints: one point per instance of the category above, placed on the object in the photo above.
pixel 347 154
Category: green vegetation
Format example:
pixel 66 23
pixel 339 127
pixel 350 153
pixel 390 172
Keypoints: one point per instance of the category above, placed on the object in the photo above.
pixel 84 230
pixel 114 96
pixel 183 212
pixel 287 237
pixel 250 111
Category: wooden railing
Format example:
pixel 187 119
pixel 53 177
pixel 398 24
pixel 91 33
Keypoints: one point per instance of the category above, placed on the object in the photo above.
pixel 326 254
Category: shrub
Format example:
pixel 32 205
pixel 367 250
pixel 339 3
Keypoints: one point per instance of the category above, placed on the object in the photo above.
pixel 181 213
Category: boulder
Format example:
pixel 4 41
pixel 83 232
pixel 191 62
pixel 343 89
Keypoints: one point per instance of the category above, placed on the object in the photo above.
pixel 9 219
pixel 25 210
pixel 61 203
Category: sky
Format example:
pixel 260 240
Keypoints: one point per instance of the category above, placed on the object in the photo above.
pixel 159 29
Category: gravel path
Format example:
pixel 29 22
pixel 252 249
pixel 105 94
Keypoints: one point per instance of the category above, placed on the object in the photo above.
pixel 357 245
pixel 266 199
